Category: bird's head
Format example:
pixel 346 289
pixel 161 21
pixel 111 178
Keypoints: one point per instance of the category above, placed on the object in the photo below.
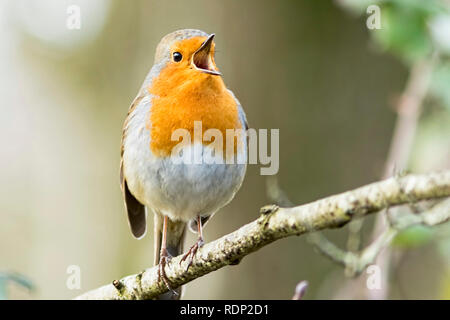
pixel 187 53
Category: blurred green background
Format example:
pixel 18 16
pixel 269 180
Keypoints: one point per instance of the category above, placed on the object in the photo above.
pixel 310 68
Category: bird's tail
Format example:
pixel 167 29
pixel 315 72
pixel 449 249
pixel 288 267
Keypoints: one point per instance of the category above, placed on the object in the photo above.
pixel 174 246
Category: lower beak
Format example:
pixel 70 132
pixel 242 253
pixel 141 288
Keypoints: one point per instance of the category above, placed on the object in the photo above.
pixel 201 59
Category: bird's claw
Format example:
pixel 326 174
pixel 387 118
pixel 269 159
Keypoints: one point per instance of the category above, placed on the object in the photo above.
pixel 164 259
pixel 191 253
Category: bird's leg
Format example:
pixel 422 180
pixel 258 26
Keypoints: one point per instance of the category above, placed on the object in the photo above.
pixel 198 244
pixel 164 258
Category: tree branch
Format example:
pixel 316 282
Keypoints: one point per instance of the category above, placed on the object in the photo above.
pixel 355 263
pixel 277 223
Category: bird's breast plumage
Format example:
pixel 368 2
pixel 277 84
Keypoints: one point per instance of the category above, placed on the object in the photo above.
pixel 181 97
pixel 181 191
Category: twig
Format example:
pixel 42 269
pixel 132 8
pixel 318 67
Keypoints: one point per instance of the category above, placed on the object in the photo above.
pixel 409 108
pixel 14 277
pixel 300 290
pixel 316 239
pixel 353 262
pixel 356 263
pixel 277 223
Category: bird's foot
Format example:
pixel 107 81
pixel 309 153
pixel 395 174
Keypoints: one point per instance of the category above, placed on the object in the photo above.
pixel 192 251
pixel 165 258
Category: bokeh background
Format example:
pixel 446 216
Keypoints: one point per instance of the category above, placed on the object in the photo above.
pixel 310 68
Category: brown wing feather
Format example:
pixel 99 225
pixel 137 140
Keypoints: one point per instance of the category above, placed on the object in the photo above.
pixel 137 217
pixel 136 211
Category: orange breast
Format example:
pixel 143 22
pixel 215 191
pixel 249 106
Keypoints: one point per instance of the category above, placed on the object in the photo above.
pixel 182 96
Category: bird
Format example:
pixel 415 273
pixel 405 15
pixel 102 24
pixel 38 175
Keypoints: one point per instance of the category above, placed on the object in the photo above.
pixel 183 87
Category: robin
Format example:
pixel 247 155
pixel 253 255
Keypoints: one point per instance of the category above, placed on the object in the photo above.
pixel 183 87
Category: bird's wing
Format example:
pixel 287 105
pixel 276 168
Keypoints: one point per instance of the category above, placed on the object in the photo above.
pixel 135 209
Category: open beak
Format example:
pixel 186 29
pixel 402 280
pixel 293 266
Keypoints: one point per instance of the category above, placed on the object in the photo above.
pixel 201 59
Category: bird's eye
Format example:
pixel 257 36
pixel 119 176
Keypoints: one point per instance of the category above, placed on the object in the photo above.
pixel 177 56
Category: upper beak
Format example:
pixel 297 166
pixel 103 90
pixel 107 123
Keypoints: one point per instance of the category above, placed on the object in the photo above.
pixel 201 59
